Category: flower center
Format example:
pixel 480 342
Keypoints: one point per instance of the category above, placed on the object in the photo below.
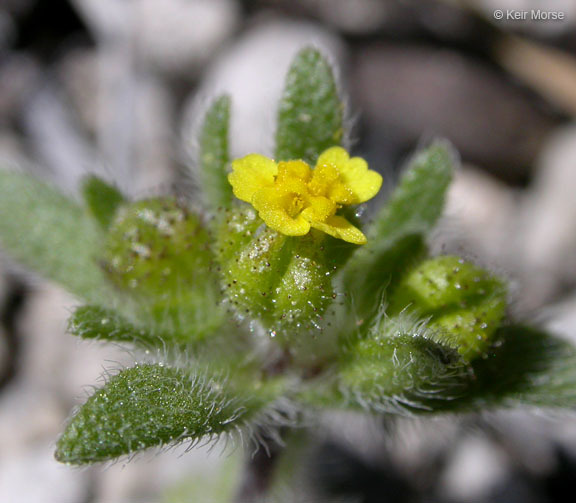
pixel 295 206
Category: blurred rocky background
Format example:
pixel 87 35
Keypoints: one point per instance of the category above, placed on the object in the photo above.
pixel 116 88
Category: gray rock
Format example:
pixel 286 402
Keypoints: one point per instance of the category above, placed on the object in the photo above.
pixel 63 152
pixel 172 36
pixel 153 474
pixel 78 75
pixel 12 155
pixel 407 93
pixel 481 213
pixel 30 475
pixel 396 18
pixel 253 73
pixel 178 37
pixel 546 232
pixel 18 77
pixel 360 16
pixel 6 29
pixel 536 27
pixel 561 320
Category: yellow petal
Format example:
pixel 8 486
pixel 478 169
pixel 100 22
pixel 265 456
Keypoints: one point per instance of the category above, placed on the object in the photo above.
pixel 319 209
pixel 324 178
pixel 340 228
pixel 250 174
pixel 334 156
pixel 281 211
pixel 363 183
pixel 294 169
pixel 341 194
pixel 281 222
pixel 293 186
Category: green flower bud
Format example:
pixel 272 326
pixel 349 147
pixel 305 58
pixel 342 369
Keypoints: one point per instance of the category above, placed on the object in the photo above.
pixel 465 304
pixel 284 281
pixel 158 251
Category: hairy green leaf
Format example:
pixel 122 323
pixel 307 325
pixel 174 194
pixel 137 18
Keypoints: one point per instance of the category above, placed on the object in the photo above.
pixel 401 370
pixel 51 235
pixel 311 111
pixel 216 191
pixel 395 369
pixel 418 201
pixel 397 238
pixel 527 366
pixel 94 322
pixel 102 199
pixel 151 405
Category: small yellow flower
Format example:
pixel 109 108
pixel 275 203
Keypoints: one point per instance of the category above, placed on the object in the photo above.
pixel 291 198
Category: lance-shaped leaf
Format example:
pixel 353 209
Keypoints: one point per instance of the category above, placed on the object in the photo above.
pixel 51 235
pixel 153 405
pixel 214 157
pixel 311 111
pixel 527 366
pixel 94 322
pixel 394 368
pixel 102 199
pixel 397 238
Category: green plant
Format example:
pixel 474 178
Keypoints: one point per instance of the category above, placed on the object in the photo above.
pixel 263 312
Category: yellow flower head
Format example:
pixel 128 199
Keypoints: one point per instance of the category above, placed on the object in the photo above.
pixel 292 198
